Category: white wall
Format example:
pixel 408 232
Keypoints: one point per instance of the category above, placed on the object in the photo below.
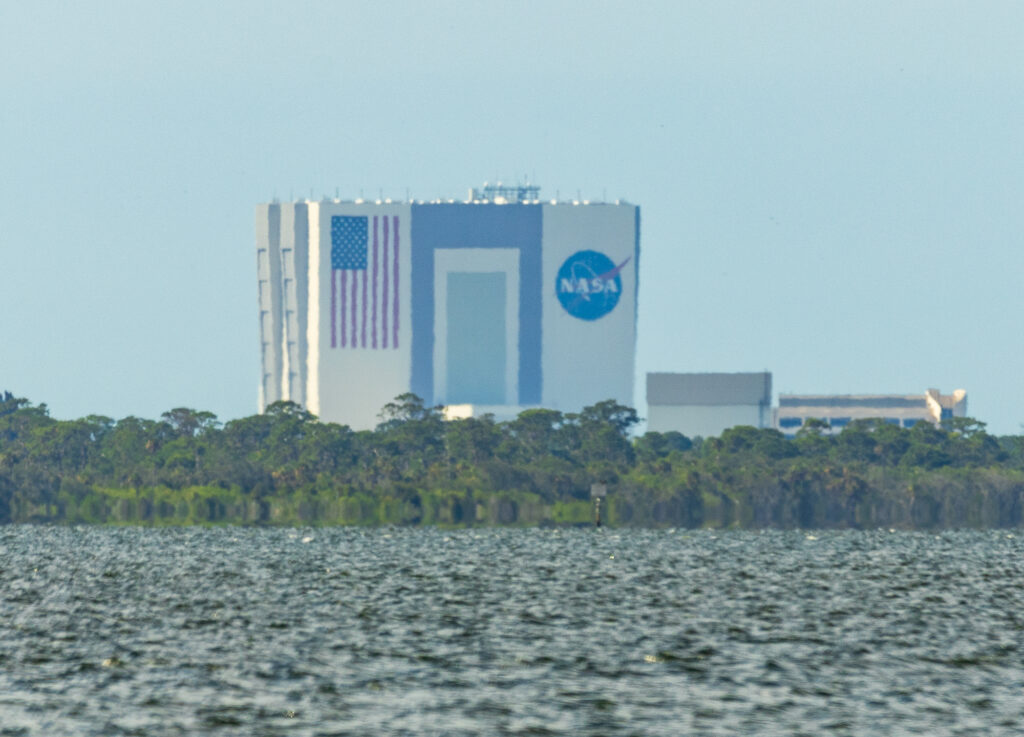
pixel 293 282
pixel 268 269
pixel 588 361
pixel 704 421
pixel 351 385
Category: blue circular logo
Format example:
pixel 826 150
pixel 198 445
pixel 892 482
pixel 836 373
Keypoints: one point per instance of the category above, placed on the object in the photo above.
pixel 588 285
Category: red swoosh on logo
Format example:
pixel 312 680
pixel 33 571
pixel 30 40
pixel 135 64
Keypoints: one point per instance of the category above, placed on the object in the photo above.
pixel 615 272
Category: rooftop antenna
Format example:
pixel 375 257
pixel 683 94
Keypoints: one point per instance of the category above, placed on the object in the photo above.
pixel 503 194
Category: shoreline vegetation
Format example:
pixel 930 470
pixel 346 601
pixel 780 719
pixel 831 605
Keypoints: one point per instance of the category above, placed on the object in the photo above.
pixel 285 467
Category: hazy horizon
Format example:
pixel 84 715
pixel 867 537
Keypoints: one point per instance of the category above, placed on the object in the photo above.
pixel 830 192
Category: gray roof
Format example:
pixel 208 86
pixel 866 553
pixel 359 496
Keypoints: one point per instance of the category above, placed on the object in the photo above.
pixel 710 389
pixel 882 401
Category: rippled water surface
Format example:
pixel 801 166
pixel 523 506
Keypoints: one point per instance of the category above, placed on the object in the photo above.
pixel 428 632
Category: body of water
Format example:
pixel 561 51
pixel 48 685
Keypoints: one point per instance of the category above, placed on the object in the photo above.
pixel 236 631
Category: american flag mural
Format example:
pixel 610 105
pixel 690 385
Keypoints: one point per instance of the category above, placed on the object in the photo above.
pixel 364 281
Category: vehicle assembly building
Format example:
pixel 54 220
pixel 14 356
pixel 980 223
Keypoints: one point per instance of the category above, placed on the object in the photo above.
pixel 497 303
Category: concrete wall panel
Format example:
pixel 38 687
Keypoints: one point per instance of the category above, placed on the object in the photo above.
pixel 588 359
pixel 353 364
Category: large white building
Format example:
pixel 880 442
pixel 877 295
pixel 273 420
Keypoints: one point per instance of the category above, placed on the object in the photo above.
pixel 839 410
pixel 706 404
pixel 497 303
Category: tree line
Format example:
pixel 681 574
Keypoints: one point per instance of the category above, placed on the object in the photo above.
pixel 286 467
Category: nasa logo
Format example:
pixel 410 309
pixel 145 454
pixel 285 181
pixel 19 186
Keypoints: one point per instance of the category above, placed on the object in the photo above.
pixel 588 285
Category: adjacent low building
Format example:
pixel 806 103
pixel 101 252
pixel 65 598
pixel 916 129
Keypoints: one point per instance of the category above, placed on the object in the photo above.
pixel 705 404
pixel 839 410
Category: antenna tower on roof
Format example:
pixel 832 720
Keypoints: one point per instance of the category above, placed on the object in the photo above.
pixel 511 194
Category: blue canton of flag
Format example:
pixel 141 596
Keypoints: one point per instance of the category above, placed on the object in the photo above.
pixel 348 242
pixel 364 281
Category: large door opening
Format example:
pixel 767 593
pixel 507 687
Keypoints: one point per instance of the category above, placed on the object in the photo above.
pixel 475 353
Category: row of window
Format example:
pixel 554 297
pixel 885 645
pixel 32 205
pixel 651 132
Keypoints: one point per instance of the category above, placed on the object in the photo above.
pixel 840 422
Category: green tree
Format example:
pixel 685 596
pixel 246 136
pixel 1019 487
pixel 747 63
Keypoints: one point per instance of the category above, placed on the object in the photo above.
pixel 813 438
pixel 653 446
pixel 604 434
pixel 473 440
pixel 537 433
pixel 409 437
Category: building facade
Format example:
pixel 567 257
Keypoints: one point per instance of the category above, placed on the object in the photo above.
pixel 497 303
pixel 839 410
pixel 705 404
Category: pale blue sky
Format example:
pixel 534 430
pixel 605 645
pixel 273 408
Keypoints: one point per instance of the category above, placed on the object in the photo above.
pixel 829 190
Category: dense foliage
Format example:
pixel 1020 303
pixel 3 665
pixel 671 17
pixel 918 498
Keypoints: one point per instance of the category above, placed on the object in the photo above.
pixel 286 467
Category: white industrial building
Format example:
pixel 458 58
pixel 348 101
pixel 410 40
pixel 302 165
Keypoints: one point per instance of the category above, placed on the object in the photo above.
pixel 839 410
pixel 496 303
pixel 705 404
